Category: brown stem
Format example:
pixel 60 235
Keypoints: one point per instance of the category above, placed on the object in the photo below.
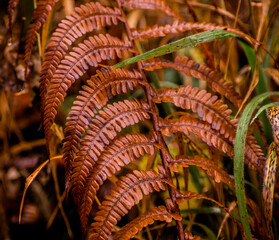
pixel 163 152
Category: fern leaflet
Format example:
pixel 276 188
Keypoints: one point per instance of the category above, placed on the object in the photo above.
pixel 40 15
pixel 89 53
pixel 158 213
pixel 125 194
pixel 86 18
pixel 102 129
pixel 160 5
pixel 191 68
pixel 108 83
pixel 120 152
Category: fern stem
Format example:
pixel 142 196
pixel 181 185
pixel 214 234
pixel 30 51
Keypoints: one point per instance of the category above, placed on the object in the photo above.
pixel 163 152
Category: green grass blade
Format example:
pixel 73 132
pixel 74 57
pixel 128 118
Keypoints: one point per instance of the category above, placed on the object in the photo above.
pixel 260 88
pixel 239 157
pixel 190 41
pixel 273 104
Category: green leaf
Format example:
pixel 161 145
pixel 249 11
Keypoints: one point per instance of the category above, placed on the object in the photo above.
pixel 260 88
pixel 239 157
pixel 273 104
pixel 190 41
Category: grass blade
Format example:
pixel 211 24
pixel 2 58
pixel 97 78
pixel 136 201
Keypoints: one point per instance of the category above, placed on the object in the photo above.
pixel 261 86
pixel 239 157
pixel 190 41
pixel 273 104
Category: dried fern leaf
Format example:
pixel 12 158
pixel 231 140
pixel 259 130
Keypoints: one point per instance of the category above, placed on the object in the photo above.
pixel 120 152
pixel 178 27
pixel 209 166
pixel 160 5
pixel 125 194
pixel 99 89
pixel 191 68
pixel 86 18
pixel 132 228
pixel 89 53
pixel 40 15
pixel 189 124
pixel 190 236
pixel 208 107
pixel 103 128
pixel 11 8
pixel 214 112
pixel 188 195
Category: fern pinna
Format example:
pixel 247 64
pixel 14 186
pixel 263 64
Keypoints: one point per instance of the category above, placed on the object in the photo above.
pixel 100 139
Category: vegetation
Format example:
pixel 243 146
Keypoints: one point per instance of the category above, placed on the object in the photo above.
pixel 153 119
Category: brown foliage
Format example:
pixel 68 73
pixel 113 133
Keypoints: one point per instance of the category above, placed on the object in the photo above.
pixel 125 194
pixel 96 145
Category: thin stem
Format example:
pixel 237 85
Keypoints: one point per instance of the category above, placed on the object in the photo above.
pixel 163 152
pixel 230 41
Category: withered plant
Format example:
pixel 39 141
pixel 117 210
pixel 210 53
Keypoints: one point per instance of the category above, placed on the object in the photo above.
pixel 144 126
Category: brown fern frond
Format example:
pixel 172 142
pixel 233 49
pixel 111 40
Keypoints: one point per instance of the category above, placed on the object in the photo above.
pixel 39 17
pixel 188 195
pixel 120 152
pixel 212 111
pixel 193 69
pixel 86 18
pixel 189 124
pixel 11 8
pixel 160 5
pixel 125 194
pixel 209 166
pixel 190 236
pixel 103 128
pixel 108 83
pixel 178 27
pixel 74 65
pixel 208 107
pixel 132 228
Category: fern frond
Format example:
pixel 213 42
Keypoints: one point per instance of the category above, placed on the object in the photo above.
pixel 11 8
pixel 125 194
pixel 208 107
pixel 111 120
pixel 40 15
pixel 188 195
pixel 158 213
pixel 193 69
pixel 108 83
pixel 189 124
pixel 214 112
pixel 189 236
pixel 86 18
pixel 160 5
pixel 88 53
pixel 209 166
pixel 120 152
pixel 178 27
